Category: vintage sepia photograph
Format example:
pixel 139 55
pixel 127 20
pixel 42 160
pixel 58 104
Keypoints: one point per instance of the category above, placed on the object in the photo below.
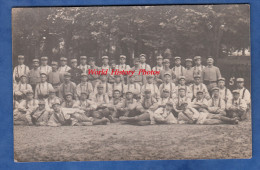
pixel 114 83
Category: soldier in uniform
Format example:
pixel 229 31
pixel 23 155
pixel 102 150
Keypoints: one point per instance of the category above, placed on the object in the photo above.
pixel 55 77
pixel 123 66
pixel 51 99
pixel 166 68
pixel 22 116
pixel 237 106
pixel 143 64
pixel 105 62
pixel 200 103
pixel 75 72
pixel 199 86
pixel 224 92
pixel 20 69
pixel 244 93
pixel 182 84
pixel 178 69
pixel 93 78
pixel 118 84
pixel 42 89
pixel 34 74
pixel 63 67
pixel 179 100
pixel 168 84
pixel 134 87
pixel 150 84
pixel 189 72
pixel 84 85
pixel 138 78
pixel 67 87
pixel 44 65
pixel 216 103
pixel 158 67
pixel 113 66
pixel 107 87
pixel 83 64
pixel 211 74
pixel 165 97
pixel 115 104
pixel 40 116
pixel 21 88
pixel 198 68
pixel 68 102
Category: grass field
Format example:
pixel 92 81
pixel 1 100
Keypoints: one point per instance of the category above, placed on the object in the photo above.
pixel 126 142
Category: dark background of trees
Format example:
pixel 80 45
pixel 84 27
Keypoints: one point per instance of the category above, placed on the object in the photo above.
pixel 183 30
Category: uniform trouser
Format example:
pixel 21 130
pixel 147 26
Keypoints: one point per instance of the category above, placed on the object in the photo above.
pixel 100 113
pixel 158 118
pixel 241 115
pixel 80 117
pixel 21 118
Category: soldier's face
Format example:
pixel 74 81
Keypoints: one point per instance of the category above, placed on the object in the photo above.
pixel 44 62
pixel 167 78
pixel 21 60
pixel 199 96
pixel 67 78
pixel 167 64
pixel 83 96
pixel 132 79
pixel 69 98
pixel 210 62
pixel 129 96
pixel 142 59
pixel 116 94
pixel 166 94
pixel 240 84
pixel 215 93
pixel 197 80
pixel 188 64
pixel 198 61
pixel 83 61
pixel 56 107
pixel 63 62
pixel 117 79
pixel 54 67
pixel 236 95
pixel 41 106
pixel 74 64
pixel 159 61
pixel 84 78
pixel 43 78
pixel 122 60
pixel 23 79
pixel 103 78
pixel 105 61
pixel 150 80
pixel 182 81
pixel 35 64
pixel 177 62
pixel 147 95
pixel 221 83
pixel 100 90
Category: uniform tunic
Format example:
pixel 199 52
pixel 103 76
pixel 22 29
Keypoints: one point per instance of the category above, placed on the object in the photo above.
pixel 211 74
pixel 154 90
pixel 84 68
pixel 199 87
pixel 198 70
pixel 19 71
pixel 107 89
pixel 188 91
pixel 84 87
pixel 189 75
pixel 245 95
pixel 169 86
pixel 21 89
pixel 179 71
pixel 67 88
pixel 42 90
pixel 55 78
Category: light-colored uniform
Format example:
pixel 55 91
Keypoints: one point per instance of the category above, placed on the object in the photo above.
pixel 194 88
pixel 40 117
pixel 154 90
pixel 84 87
pixel 245 95
pixel 163 115
pixel 42 90
pixel 45 69
pixel 169 86
pixel 217 106
pixel 237 108
pixel 188 92
pixel 19 71
pixel 179 71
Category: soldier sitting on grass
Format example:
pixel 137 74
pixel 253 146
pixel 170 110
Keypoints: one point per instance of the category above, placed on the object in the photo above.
pixel 40 116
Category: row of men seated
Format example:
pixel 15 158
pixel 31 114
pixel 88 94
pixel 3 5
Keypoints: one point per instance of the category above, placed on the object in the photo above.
pixel 99 109
pixel 55 73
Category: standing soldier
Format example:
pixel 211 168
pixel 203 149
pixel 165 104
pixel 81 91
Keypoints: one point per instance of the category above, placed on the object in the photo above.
pixel 107 87
pixel 168 84
pixel 143 64
pixel 189 72
pixel 122 66
pixel 43 88
pixel 21 88
pixel 44 65
pixel 158 67
pixel 178 69
pixel 63 67
pixel 93 78
pixel 83 64
pixel 113 66
pixel 198 68
pixel 199 86
pixel 75 72
pixel 67 87
pixel 55 77
pixel 152 86
pixel 224 92
pixel 138 78
pixel 211 74
pixel 166 68
pixel 20 69
pixel 244 93
pixel 34 74
pixel 84 85
pixel 105 65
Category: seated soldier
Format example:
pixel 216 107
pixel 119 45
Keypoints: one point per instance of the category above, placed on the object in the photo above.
pixel 179 100
pixel 40 116
pixel 165 97
pixel 168 84
pixel 244 93
pixel 216 104
pixel 102 113
pixel 68 102
pixel 84 85
pixel 42 89
pixel 85 107
pixel 200 103
pixel 182 84
pixel 199 86
pixel 151 85
pixel 22 116
pixel 143 109
pixel 167 69
pixel 107 87
pixel 134 87
pixel 237 107
pixel 115 104
pixel 67 87
pixel 163 115
pixel 118 84
pixel 51 98
pixel 189 115
pixel 57 116
pixel 21 88
pixel 224 92
pixel 189 72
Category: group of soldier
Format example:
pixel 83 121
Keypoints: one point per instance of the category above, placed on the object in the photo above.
pixel 59 94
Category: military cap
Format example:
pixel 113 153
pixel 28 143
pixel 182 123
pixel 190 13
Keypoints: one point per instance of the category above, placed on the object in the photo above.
pixel 23 75
pixel 74 60
pixel 159 57
pixel 236 91
pixel 54 63
pixel 35 60
pixel 215 88
pixel 43 73
pixel 166 90
pixel 200 92
pixel 29 92
pixel 20 56
pixel 100 86
pixel 166 60
pixel 147 91
pixel 123 56
pixel 197 57
pixel 142 55
pixel 188 59
pixel 83 57
pixel 221 79
pixel 104 57
pixel 177 57
pixel 210 59
pixel 240 80
pixel 129 91
pixel 41 102
pixel 197 76
pixel 166 73
pixel 84 74
pixel 69 93
pixel 182 77
pixel 91 59
pixel 63 59
pixel 56 101
pixel 44 58
pixel 181 88
pixel 67 74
